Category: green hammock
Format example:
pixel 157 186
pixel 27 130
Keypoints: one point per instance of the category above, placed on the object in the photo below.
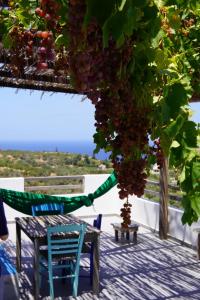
pixel 22 201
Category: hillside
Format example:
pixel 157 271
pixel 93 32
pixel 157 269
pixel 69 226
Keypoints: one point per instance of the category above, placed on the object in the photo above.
pixel 27 163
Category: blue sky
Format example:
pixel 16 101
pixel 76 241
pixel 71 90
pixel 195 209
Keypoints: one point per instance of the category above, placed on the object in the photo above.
pixel 26 116
pixel 31 115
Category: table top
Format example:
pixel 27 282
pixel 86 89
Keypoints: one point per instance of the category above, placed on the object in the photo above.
pixel 132 226
pixel 36 227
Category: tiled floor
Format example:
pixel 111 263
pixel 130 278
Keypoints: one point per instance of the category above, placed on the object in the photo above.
pixel 149 270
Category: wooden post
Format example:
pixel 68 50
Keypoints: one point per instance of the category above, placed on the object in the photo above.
pixel 163 214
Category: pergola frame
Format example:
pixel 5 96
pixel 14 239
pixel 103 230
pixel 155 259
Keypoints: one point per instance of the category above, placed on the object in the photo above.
pixel 47 81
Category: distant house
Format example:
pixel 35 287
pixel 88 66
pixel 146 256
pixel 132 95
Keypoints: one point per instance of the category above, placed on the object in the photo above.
pixel 102 167
pixel 155 168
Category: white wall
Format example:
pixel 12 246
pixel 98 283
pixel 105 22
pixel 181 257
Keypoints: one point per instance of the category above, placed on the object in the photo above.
pixel 109 203
pixel 16 184
pixel 147 213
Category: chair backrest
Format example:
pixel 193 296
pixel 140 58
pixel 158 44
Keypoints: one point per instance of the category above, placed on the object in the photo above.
pixel 48 208
pixel 97 221
pixel 68 246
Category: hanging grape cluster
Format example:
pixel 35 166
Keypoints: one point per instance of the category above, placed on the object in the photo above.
pixel 35 48
pixel 101 74
pixel 126 214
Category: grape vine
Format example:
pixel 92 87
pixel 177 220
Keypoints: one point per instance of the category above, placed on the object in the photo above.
pixel 137 61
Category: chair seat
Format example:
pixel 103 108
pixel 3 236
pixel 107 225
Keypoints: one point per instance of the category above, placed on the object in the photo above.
pixel 56 257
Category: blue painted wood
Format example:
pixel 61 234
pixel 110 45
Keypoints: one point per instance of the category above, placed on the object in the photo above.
pixel 49 208
pixel 6 265
pixel 90 247
pixel 97 224
pixel 59 249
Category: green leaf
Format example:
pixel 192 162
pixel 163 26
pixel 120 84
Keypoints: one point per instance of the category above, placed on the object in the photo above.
pixel 7 41
pixel 190 134
pixel 62 40
pixel 161 58
pixel 174 127
pixel 121 24
pixel 177 95
pixel 195 203
pixel 101 10
pixel 196 176
pixel 122 5
pixel 100 141
pixel 182 175
pixel 175 144
pixel 190 215
pixel 150 12
pixel 174 18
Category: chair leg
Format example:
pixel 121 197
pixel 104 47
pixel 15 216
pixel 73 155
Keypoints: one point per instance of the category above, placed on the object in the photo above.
pixel 91 266
pixel 51 285
pixel 91 274
pixel 75 286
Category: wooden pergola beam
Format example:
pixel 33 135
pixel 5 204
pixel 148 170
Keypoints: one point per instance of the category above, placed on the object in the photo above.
pixel 36 85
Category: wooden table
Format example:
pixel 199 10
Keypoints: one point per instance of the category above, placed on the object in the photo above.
pixel 36 229
pixel 133 227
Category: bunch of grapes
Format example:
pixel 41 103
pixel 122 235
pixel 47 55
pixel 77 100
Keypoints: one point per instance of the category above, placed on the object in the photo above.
pixel 45 49
pixel 131 176
pixel 48 12
pixel 126 214
pixel 97 72
pixel 22 49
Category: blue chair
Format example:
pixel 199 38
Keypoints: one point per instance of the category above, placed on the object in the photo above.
pixel 66 250
pixel 49 208
pixel 89 248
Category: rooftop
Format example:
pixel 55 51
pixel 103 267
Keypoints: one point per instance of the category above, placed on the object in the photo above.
pixel 151 269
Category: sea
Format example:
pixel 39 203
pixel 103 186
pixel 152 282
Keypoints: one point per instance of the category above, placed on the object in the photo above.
pixel 78 147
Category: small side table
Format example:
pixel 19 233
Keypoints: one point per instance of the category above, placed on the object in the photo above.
pixel 197 230
pixel 133 227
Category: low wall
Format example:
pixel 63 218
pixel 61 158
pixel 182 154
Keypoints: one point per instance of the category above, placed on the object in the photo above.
pixel 146 212
pixel 109 203
pixel 16 184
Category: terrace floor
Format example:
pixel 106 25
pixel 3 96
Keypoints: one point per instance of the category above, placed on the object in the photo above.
pixel 149 270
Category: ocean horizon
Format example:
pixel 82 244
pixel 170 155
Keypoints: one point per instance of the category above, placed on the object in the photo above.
pixel 77 147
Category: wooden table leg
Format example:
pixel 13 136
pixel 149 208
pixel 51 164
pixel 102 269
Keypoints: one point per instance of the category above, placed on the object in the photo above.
pixel 116 235
pixel 127 235
pixel 135 236
pixel 95 280
pixel 18 247
pixel 36 270
pixel 198 246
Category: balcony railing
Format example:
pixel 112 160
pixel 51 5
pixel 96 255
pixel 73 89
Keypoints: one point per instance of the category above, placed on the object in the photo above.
pixel 150 191
pixel 55 184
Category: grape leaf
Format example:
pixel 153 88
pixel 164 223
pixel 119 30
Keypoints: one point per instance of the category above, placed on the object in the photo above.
pixel 196 176
pixel 195 203
pixel 101 10
pixel 121 24
pixel 176 96
pixel 190 215
pixel 190 134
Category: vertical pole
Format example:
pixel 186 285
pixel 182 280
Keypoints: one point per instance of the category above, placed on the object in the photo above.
pixel 18 247
pixel 163 214
pixel 36 270
pixel 96 279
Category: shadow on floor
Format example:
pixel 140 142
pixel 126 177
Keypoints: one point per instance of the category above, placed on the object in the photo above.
pixel 149 270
